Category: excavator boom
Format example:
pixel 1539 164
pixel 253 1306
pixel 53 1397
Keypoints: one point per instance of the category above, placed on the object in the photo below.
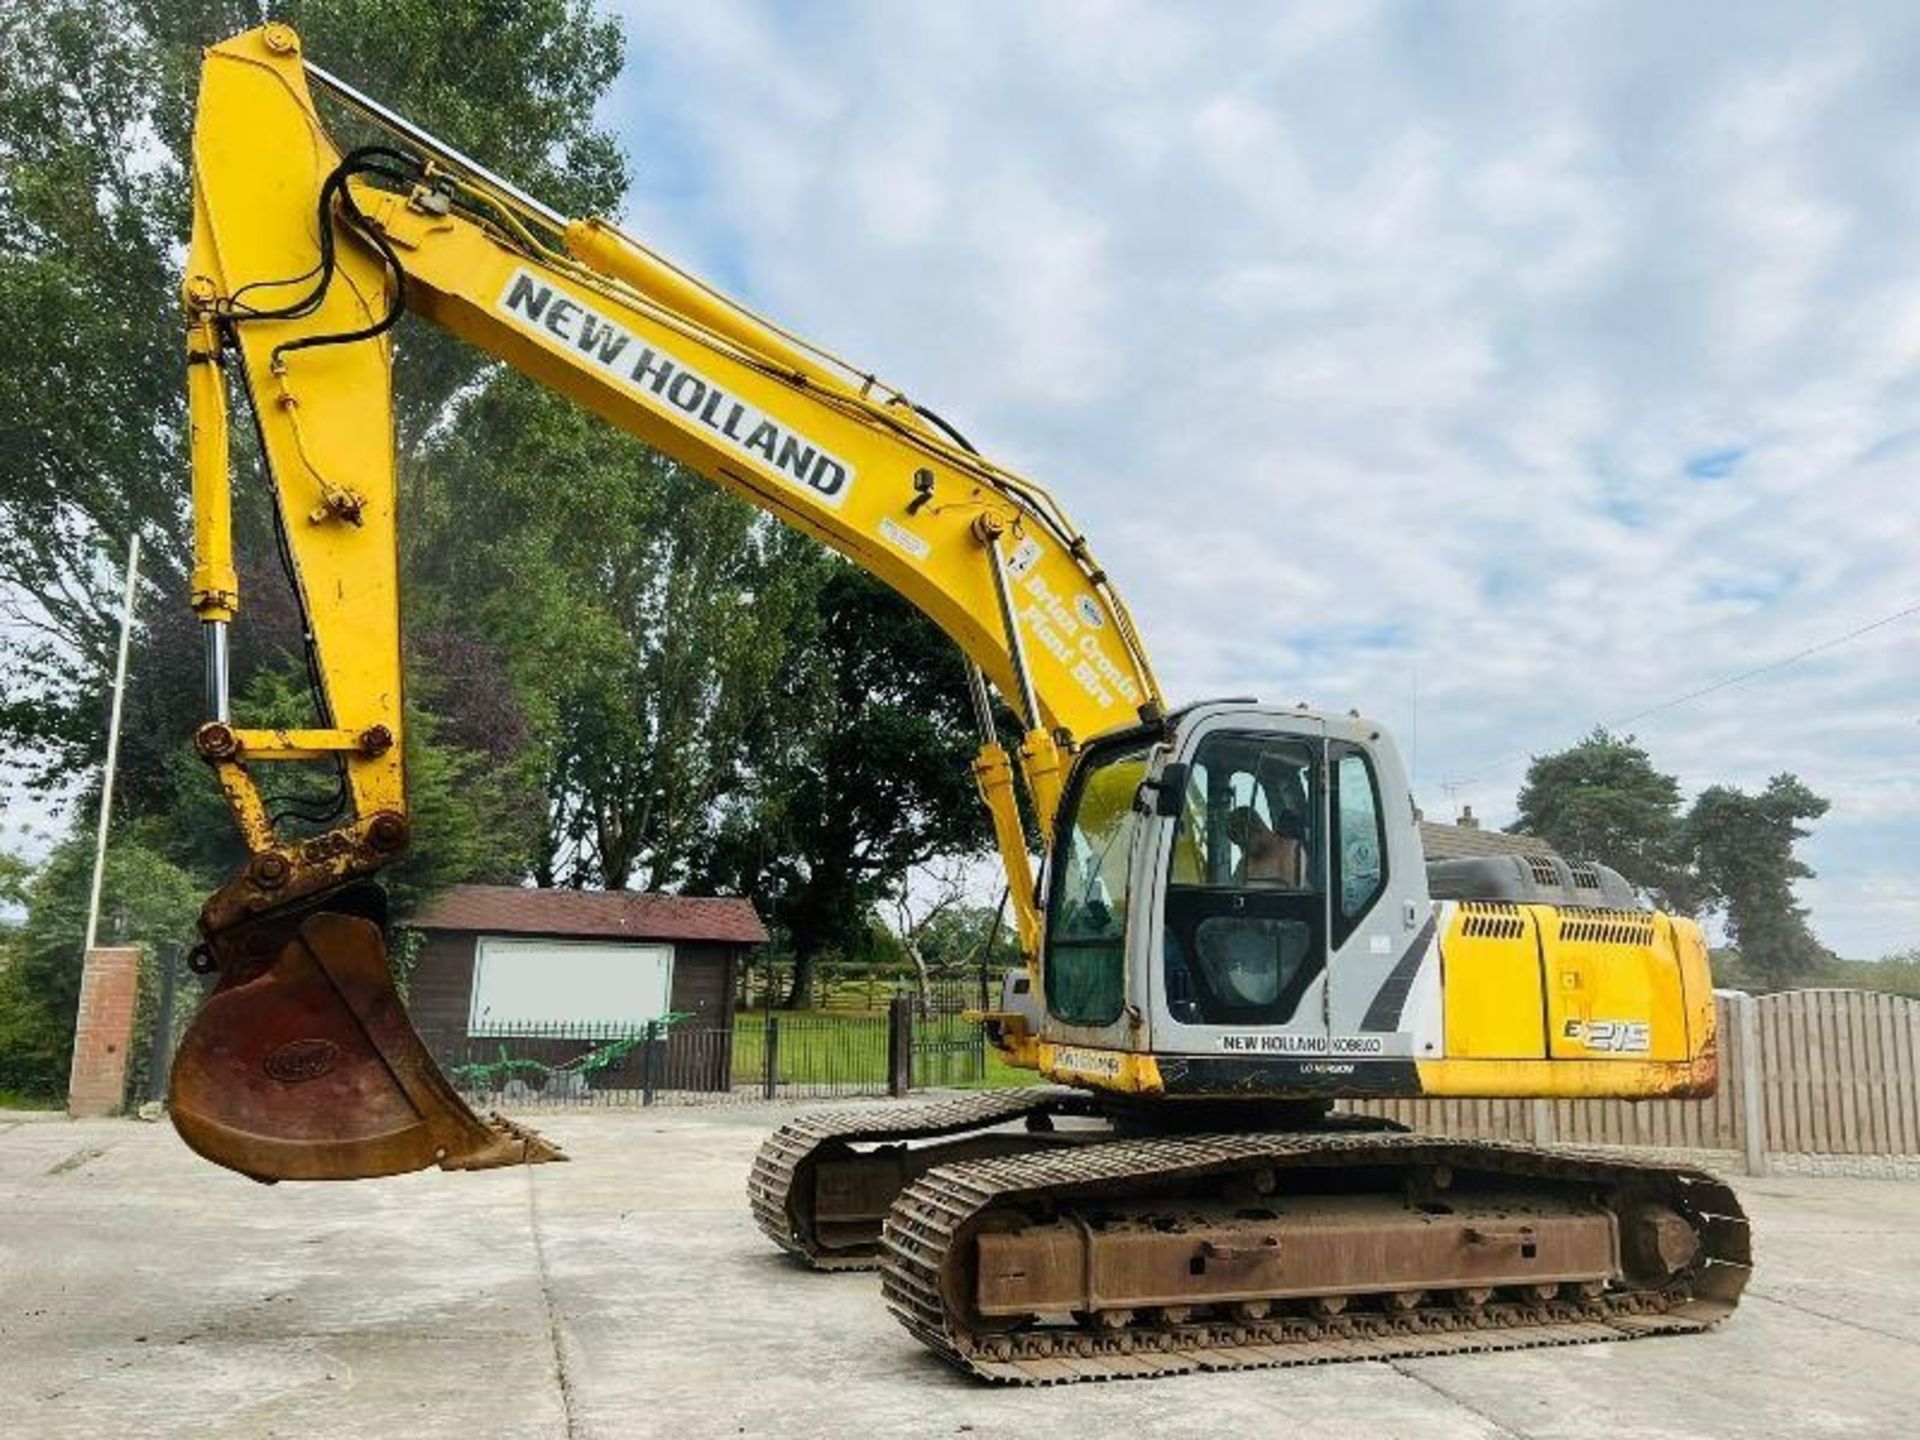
pixel 303 1065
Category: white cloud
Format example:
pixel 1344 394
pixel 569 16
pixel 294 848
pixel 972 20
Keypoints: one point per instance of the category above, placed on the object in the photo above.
pixel 1566 356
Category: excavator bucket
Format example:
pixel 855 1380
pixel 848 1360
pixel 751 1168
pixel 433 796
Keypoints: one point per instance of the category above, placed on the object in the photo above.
pixel 303 1065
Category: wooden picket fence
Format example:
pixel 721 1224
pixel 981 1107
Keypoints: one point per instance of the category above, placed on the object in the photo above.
pixel 1805 1072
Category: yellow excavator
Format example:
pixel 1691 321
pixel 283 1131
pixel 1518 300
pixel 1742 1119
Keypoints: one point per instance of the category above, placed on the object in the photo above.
pixel 1233 926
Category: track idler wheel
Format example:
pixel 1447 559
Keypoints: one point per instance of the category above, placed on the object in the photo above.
pixel 303 1065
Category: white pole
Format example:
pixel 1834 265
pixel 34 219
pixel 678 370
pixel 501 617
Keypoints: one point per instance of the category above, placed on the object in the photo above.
pixel 113 742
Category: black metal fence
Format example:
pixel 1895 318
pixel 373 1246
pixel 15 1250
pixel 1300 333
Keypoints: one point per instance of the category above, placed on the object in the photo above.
pixel 168 994
pixel 765 1055
pixel 911 1041
pixel 842 986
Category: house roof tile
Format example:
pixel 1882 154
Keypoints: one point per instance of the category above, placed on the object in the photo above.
pixel 1461 842
pixel 595 914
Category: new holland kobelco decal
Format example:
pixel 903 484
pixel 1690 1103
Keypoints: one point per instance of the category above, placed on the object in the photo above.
pixel 1261 1042
pixel 667 382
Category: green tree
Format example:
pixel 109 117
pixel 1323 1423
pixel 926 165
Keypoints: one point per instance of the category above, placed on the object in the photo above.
pixel 15 875
pixel 1603 800
pixel 956 941
pixel 1743 851
pixel 95 113
pixel 90 408
pixel 871 779
pixel 145 900
pixel 644 615
pixel 473 824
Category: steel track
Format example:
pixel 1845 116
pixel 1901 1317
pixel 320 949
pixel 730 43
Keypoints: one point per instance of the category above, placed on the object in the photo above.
pixel 777 1186
pixel 936 1216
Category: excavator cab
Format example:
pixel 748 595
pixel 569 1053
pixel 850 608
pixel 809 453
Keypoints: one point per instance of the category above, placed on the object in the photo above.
pixel 1251 896
pixel 1239 908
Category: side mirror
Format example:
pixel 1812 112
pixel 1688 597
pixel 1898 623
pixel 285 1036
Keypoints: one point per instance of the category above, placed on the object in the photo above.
pixel 1165 795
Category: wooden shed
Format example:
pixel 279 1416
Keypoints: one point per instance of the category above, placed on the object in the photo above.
pixel 552 975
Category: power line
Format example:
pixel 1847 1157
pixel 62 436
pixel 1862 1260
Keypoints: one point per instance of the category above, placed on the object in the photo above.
pixel 1768 668
pixel 1724 683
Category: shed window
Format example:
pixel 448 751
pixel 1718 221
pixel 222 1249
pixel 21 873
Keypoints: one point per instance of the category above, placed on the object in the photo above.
pixel 588 989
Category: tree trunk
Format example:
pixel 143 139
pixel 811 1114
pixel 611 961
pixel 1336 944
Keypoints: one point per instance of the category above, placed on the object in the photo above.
pixel 925 977
pixel 804 963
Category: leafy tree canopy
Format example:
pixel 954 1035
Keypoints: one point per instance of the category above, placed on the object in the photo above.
pixel 1603 800
pixel 645 617
pixel 1731 852
pixel 872 780
pixel 145 899
pixel 1743 853
pixel 95 113
pixel 15 876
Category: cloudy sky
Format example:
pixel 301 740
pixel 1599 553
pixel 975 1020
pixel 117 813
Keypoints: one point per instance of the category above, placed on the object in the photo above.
pixel 1498 370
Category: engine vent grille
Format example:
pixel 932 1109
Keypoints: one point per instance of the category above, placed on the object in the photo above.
pixel 1493 927
pixel 1607 927
pixel 1492 920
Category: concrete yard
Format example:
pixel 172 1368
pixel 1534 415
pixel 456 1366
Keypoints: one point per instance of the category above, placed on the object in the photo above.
pixel 145 1293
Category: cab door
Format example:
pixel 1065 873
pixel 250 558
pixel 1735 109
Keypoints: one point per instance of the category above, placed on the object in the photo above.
pixel 1238 964
pixel 1383 966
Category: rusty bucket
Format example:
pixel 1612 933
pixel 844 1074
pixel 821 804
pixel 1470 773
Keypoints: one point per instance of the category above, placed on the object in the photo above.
pixel 303 1065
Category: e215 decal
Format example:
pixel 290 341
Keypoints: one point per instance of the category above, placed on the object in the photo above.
pixel 1620 1037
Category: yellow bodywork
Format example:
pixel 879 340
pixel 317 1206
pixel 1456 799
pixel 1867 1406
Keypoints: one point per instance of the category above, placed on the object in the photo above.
pixel 1122 1072
pixel 1537 1001
pixel 1010 1033
pixel 1545 1001
pixel 333 471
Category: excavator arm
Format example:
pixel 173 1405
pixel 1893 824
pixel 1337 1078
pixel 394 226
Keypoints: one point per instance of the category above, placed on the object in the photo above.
pixel 303 1063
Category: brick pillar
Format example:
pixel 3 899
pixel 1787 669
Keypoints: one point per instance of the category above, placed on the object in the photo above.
pixel 104 1030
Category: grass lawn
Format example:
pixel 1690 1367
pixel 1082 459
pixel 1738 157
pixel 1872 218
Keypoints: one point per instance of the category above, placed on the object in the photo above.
pixel 839 1048
pixel 15 1100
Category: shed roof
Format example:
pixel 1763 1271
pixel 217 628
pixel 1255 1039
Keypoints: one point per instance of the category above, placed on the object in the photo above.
pixel 599 914
pixel 1462 842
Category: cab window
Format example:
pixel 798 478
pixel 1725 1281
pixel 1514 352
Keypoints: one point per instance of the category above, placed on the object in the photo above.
pixel 1360 841
pixel 1246 891
pixel 1088 897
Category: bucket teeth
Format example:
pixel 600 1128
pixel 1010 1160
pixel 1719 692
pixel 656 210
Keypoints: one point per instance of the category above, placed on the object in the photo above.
pixel 507 1143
